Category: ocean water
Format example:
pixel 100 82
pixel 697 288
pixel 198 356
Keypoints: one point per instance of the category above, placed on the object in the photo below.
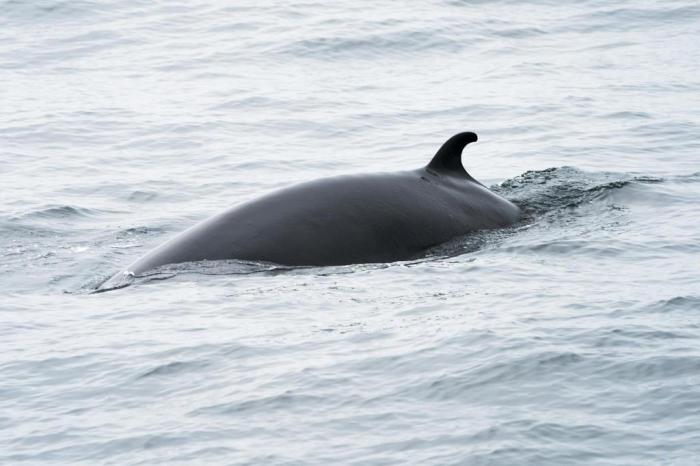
pixel 571 338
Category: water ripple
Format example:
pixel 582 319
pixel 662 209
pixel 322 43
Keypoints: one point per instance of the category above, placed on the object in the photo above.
pixel 571 338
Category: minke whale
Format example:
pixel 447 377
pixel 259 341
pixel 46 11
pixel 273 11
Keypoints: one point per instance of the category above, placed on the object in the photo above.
pixel 352 219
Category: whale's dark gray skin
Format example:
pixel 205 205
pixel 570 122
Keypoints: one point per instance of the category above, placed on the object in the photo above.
pixel 347 219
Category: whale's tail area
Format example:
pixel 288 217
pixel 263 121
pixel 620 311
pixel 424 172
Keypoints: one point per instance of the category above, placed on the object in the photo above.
pixel 448 159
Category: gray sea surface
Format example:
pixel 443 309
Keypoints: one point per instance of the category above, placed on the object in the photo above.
pixel 571 338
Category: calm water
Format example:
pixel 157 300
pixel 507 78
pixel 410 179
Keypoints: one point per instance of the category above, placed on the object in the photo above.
pixel 572 338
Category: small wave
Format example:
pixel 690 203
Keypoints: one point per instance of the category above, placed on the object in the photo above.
pixel 61 212
pixel 50 9
pixel 567 247
pixel 518 32
pixel 172 368
pixel 678 303
pixel 137 231
pixel 538 192
pixel 470 243
pixel 555 430
pixel 246 103
pixel 648 179
pixel 627 19
pixel 206 267
pixel 142 196
pixel 632 336
pixel 602 191
pixel 369 46
pixel 692 178
pixel 651 368
pixel 11 230
pixel 283 401
pixel 628 115
pixel 541 364
pixel 221 267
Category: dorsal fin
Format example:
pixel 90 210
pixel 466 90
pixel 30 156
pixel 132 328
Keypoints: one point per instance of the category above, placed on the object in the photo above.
pixel 448 159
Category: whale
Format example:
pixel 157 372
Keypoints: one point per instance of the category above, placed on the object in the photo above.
pixel 341 220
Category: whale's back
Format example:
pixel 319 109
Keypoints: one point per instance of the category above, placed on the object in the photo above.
pixel 341 220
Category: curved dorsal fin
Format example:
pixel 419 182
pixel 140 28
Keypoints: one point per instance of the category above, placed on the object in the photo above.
pixel 448 159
